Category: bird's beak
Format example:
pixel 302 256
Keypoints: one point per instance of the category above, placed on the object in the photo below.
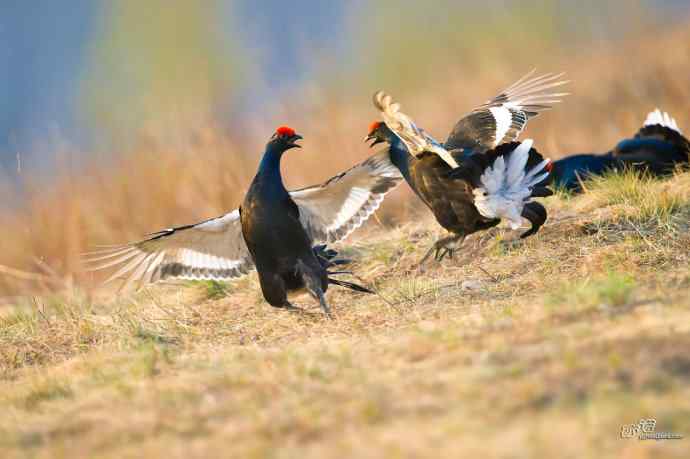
pixel 293 140
pixel 374 138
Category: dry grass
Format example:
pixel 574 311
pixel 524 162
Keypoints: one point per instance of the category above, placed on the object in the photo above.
pixel 540 348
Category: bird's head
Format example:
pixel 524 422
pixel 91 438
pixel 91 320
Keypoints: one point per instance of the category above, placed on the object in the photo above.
pixel 285 138
pixel 379 132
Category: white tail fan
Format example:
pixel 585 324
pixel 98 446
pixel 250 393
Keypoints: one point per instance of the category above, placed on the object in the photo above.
pixel 663 119
pixel 507 186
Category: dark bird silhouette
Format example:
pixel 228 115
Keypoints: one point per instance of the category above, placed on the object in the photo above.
pixel 274 231
pixel 657 148
pixel 471 181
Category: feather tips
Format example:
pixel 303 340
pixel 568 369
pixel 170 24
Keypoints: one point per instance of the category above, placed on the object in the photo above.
pixel 503 118
pixel 210 250
pixel 662 119
pixel 415 139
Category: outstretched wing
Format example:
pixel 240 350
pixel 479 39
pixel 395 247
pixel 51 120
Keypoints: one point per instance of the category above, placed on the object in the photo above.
pixel 415 139
pixel 504 117
pixel 332 210
pixel 215 249
pixel 210 250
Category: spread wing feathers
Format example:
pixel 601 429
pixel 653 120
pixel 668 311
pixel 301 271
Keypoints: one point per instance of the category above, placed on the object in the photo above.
pixel 210 250
pixel 507 184
pixel 332 210
pixel 657 117
pixel 415 138
pixel 503 118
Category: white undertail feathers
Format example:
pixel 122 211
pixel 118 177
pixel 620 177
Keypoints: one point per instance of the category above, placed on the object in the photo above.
pixel 663 119
pixel 507 186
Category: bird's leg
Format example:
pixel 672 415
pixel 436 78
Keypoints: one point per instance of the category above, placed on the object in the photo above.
pixel 317 294
pixel 449 245
pixel 312 284
pixel 324 304
pixel 442 247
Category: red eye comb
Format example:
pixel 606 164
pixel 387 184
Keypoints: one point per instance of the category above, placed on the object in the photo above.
pixel 549 166
pixel 285 131
pixel 374 126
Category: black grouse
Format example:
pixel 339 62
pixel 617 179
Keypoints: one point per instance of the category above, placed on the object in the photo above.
pixel 658 148
pixel 480 182
pixel 274 231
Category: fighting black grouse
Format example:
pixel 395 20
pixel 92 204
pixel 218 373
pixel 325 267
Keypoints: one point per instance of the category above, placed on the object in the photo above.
pixel 274 231
pixel 472 181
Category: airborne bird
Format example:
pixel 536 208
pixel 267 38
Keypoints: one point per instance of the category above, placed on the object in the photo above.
pixel 473 180
pixel 658 147
pixel 274 231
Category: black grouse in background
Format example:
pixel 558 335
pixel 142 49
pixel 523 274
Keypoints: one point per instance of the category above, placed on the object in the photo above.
pixel 274 230
pixel 657 148
pixel 473 180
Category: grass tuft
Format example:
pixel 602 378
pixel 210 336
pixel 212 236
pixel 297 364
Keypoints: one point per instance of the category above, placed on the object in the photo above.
pixel 611 290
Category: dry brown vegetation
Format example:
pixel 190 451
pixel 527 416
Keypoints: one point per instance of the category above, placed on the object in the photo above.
pixel 538 348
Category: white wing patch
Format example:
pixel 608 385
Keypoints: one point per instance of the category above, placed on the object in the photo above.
pixel 331 211
pixel 355 200
pixel 504 119
pixel 210 250
pixel 663 119
pixel 507 186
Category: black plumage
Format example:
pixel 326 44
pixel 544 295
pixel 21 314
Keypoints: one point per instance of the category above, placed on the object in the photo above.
pixel 274 231
pixel 451 194
pixel 278 242
pixel 658 148
pixel 471 181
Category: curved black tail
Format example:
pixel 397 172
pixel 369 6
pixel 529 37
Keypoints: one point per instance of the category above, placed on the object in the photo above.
pixel 350 285
pixel 536 214
pixel 327 258
pixel 655 148
pixel 658 147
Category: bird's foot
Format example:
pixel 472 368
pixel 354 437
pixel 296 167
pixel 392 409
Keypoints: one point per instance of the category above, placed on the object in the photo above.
pixel 443 247
pixel 317 294
pixel 291 307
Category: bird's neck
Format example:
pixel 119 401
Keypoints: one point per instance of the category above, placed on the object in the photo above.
pixel 269 168
pixel 400 157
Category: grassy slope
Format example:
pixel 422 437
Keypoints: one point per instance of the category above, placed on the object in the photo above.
pixel 540 348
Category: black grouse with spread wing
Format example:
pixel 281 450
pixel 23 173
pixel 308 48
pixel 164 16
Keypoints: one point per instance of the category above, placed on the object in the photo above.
pixel 274 230
pixel 481 182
